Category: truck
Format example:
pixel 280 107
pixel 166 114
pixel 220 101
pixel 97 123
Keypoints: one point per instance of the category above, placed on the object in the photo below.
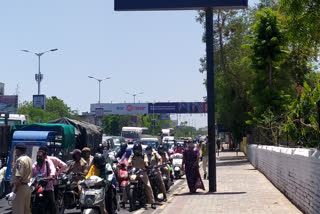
pixel 133 133
pixel 13 119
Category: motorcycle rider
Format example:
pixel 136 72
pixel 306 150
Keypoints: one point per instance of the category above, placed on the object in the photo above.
pixel 123 147
pixel 59 165
pixel 155 160
pixel 165 159
pixel 86 154
pixel 46 168
pixel 179 149
pixel 78 165
pixel 98 169
pixel 140 161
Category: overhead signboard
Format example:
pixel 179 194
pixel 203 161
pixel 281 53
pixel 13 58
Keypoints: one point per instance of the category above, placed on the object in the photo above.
pixel 121 108
pixel 178 108
pixel 9 103
pixel 99 109
pixel 145 5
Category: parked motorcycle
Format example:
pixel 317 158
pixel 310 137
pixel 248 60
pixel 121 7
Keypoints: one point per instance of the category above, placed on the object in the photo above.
pixel 177 165
pixel 136 190
pixel 92 197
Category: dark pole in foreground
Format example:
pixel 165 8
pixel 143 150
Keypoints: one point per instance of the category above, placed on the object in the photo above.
pixel 210 100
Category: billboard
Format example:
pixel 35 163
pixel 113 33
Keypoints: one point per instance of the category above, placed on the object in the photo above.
pixel 144 5
pixel 9 103
pixel 121 108
pixel 177 108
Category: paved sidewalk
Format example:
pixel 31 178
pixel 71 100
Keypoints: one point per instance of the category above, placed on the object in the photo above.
pixel 241 189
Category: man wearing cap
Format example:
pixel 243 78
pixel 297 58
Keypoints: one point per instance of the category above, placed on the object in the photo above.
pixel 21 175
pixel 59 165
pixel 78 165
pixel 86 154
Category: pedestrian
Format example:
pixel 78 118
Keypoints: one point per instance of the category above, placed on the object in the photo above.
pixel 21 175
pixel 204 155
pixel 218 142
pixel 191 162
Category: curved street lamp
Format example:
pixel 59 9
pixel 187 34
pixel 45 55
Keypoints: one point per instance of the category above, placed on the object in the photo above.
pixel 99 80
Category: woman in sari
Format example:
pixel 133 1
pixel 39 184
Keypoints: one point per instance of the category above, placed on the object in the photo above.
pixel 191 162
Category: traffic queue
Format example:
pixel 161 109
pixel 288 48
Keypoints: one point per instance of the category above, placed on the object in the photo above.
pixel 102 182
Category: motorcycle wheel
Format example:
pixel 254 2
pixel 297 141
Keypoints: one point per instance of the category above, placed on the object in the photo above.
pixel 60 204
pixel 110 201
pixel 132 199
pixel 176 175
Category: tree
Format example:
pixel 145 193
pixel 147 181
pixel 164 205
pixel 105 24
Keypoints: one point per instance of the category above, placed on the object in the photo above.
pixel 55 109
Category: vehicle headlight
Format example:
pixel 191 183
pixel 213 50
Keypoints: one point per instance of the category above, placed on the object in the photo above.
pixel 133 177
pixel 124 175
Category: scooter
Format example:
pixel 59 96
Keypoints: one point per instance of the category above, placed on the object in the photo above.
pixel 136 188
pixel 112 198
pixel 122 181
pixel 92 197
pixel 177 165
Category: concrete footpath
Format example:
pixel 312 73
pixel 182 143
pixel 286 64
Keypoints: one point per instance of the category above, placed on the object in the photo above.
pixel 240 189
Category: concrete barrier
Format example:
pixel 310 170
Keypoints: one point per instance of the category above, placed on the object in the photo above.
pixel 294 171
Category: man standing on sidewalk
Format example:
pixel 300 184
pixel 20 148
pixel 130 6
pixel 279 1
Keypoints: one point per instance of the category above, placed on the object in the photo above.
pixel 204 155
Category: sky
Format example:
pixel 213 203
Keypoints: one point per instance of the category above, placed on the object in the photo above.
pixel 156 53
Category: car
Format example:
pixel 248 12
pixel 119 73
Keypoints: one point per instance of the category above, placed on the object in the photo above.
pixel 153 142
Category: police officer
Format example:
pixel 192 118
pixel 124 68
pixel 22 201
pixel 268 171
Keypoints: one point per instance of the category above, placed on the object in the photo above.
pixel 165 159
pixel 21 175
pixel 78 165
pixel 140 161
pixel 123 147
pixel 155 160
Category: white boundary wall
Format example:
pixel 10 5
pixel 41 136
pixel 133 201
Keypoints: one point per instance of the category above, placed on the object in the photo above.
pixel 294 171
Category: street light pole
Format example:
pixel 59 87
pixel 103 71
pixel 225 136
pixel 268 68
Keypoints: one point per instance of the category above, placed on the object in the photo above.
pixel 99 80
pixel 134 95
pixel 39 76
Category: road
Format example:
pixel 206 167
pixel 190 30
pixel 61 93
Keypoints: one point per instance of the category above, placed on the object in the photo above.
pixel 6 209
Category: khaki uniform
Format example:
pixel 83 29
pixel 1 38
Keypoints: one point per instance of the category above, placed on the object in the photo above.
pixel 139 162
pixel 165 159
pixel 80 166
pixel 89 162
pixel 154 159
pixel 22 169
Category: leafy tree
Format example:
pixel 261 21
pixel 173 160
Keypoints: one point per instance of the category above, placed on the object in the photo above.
pixel 55 108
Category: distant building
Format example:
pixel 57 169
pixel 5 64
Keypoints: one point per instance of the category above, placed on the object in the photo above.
pixel 1 88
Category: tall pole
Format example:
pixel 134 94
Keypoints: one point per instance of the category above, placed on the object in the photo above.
pixel 39 74
pixel 134 98
pixel 99 89
pixel 211 100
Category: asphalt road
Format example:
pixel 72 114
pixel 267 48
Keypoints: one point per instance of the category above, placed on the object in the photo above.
pixel 5 208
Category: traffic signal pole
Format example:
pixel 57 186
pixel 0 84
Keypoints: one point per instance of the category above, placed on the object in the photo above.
pixel 211 100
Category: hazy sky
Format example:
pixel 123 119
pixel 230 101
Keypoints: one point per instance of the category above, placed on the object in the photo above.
pixel 152 52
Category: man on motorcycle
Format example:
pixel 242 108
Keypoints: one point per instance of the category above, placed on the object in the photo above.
pixel 123 147
pixel 155 160
pixel 179 149
pixel 78 165
pixel 140 161
pixel 165 159
pixel 59 165
pixel 86 154
pixel 46 168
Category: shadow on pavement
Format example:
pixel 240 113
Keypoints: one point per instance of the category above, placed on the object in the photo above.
pixel 232 163
pixel 211 193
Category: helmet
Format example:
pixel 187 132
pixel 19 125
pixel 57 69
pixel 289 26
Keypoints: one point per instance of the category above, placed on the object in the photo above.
pixel 137 149
pixel 128 152
pixel 75 153
pixel 149 148
pixel 100 148
pixel 99 160
pixel 123 146
pixel 160 149
pixel 165 145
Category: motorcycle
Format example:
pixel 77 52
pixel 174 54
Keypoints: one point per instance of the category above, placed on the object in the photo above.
pixel 167 181
pixel 153 173
pixel 122 181
pixel 136 188
pixel 112 198
pixel 60 185
pixel 177 165
pixel 72 195
pixel 38 201
pixel 92 197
